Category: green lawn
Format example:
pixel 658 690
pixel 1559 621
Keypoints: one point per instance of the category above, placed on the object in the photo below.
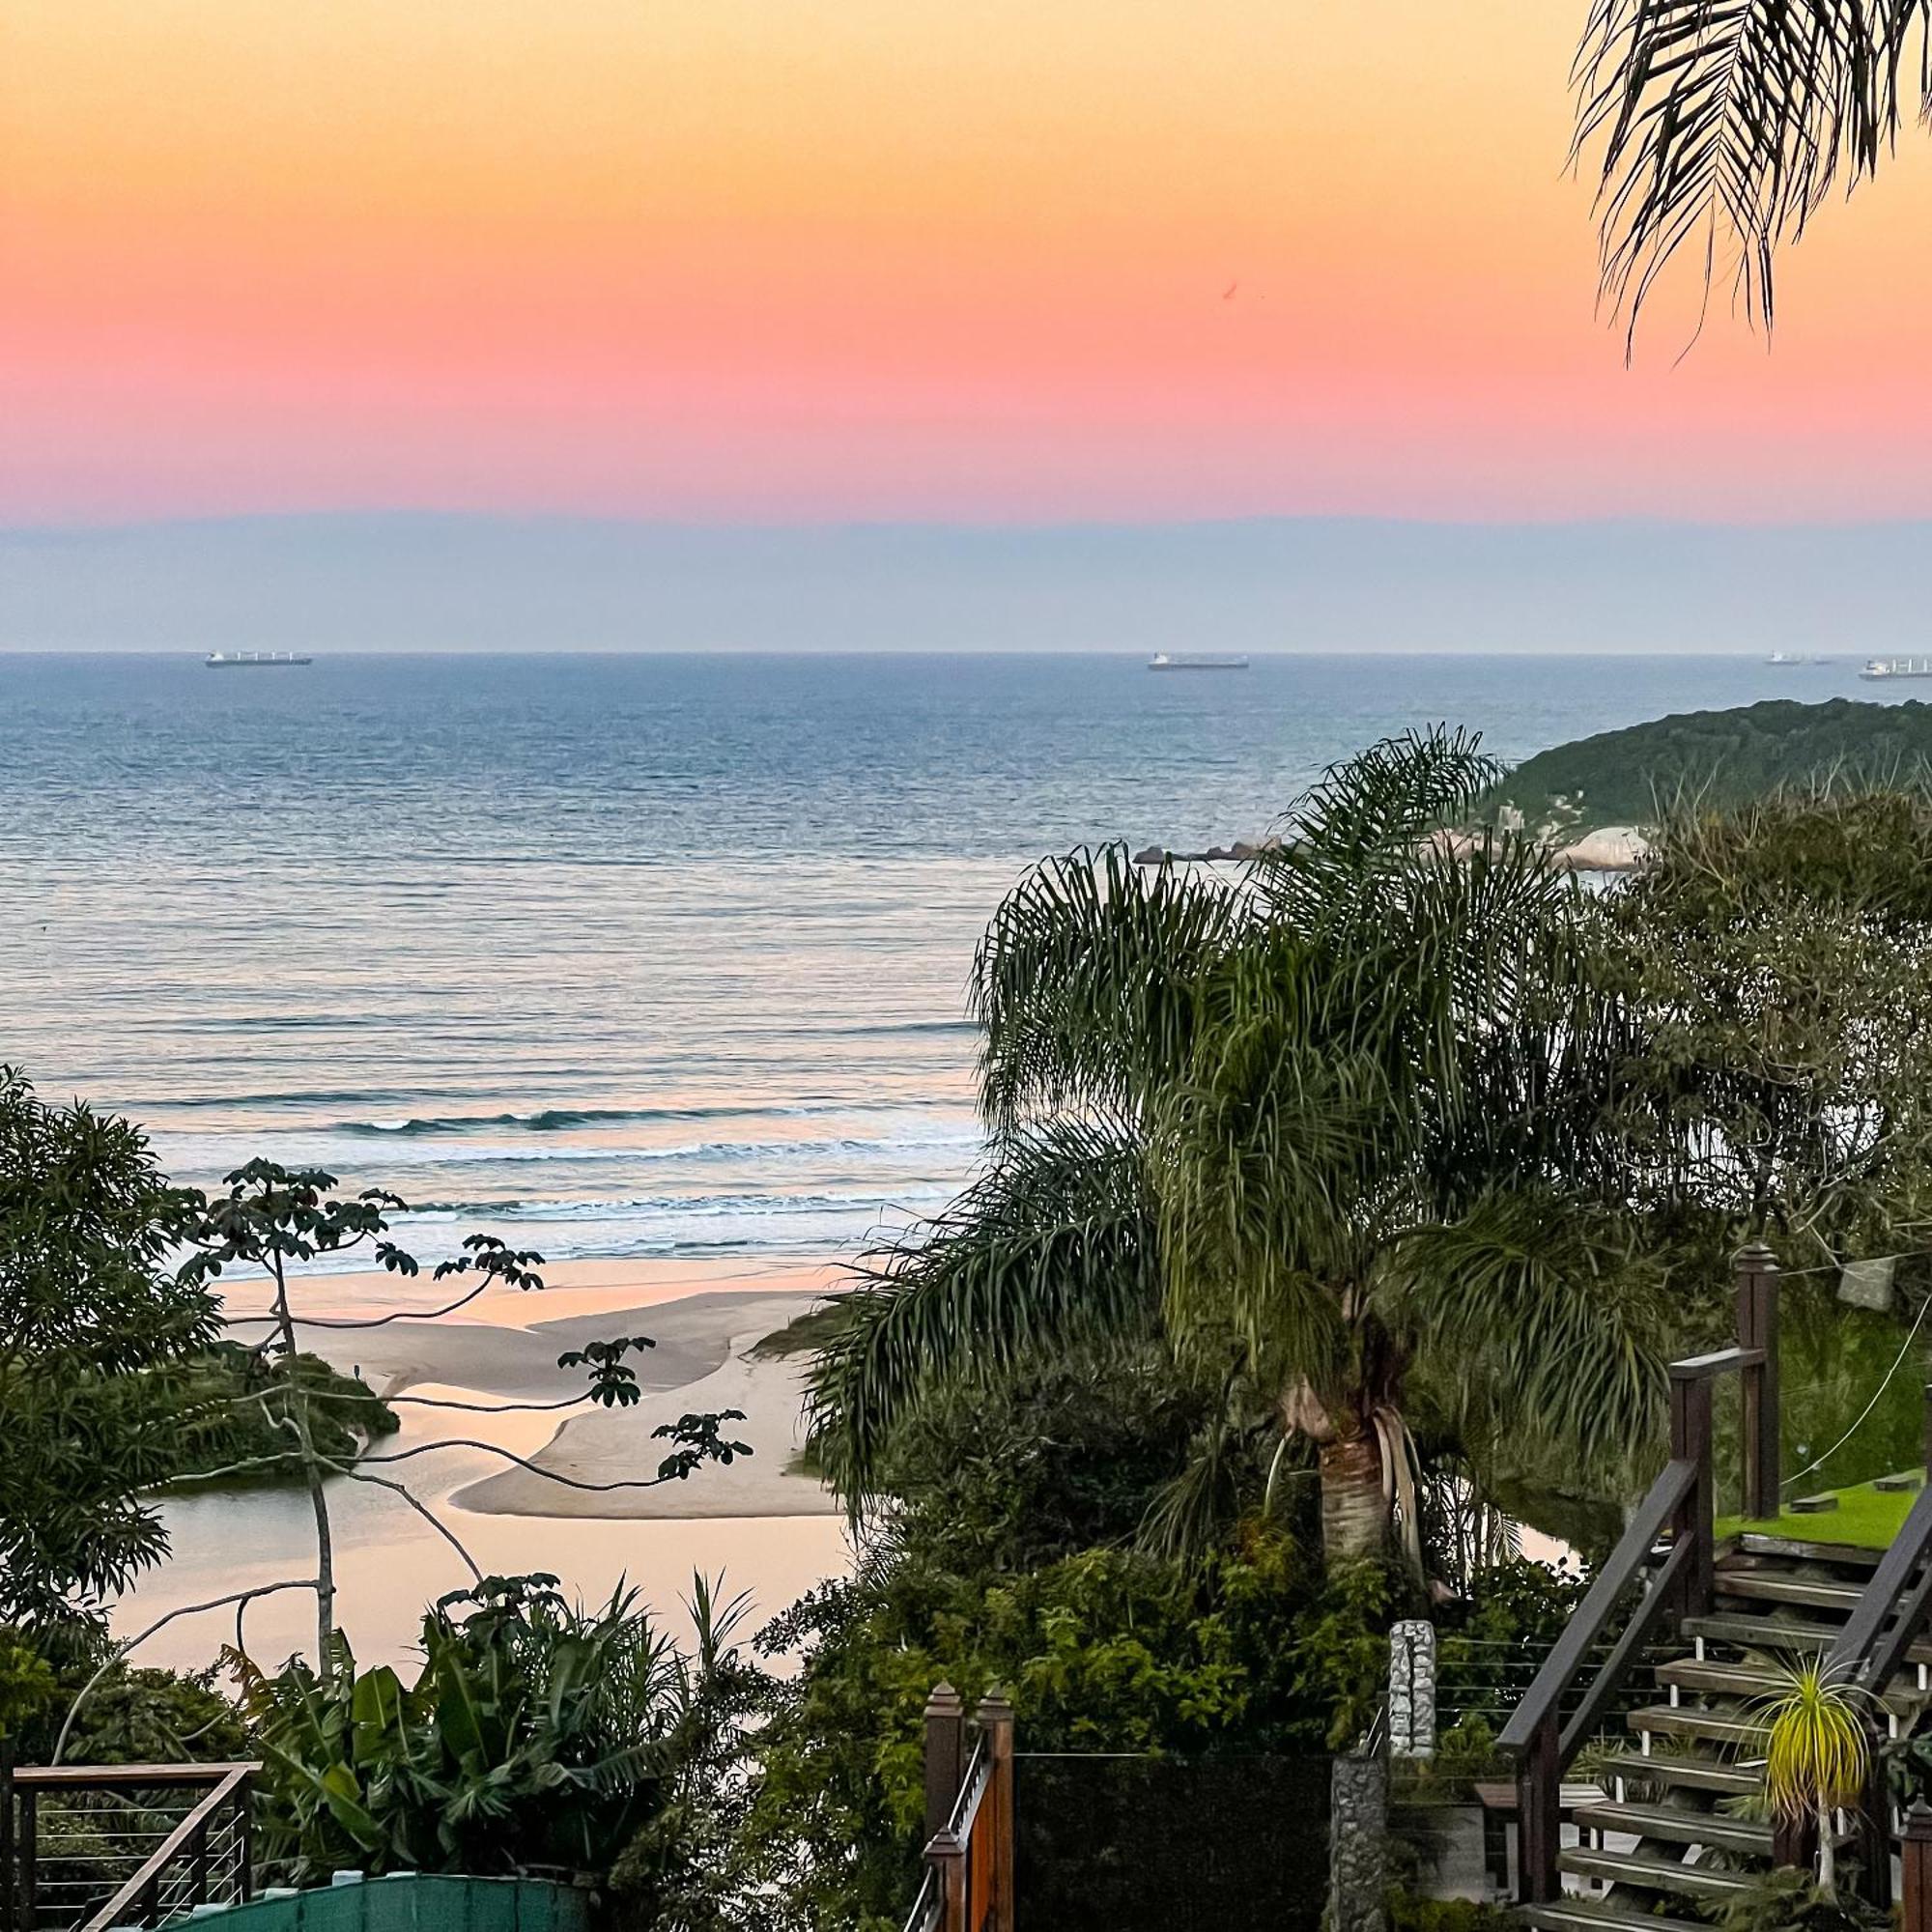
pixel 1867 1518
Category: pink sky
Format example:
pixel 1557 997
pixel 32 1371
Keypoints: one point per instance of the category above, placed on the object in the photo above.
pixel 736 260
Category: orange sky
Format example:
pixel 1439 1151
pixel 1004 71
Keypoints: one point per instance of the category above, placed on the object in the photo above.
pixel 797 260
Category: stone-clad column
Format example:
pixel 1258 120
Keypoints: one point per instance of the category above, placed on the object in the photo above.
pixel 1358 1873
pixel 1411 1703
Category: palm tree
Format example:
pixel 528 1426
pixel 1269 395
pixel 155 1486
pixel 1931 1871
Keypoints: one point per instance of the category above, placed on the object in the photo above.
pixel 1725 124
pixel 1333 1121
pixel 1817 1754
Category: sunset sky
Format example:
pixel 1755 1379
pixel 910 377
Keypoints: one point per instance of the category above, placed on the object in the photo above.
pixel 783 261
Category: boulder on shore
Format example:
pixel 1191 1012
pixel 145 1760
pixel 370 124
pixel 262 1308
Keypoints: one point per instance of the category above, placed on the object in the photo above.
pixel 1615 848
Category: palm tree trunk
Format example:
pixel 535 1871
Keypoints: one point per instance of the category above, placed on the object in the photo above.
pixel 1354 1507
pixel 1827 1855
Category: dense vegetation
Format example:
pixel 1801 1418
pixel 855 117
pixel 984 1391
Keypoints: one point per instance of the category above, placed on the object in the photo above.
pixel 96 1337
pixel 1721 759
pixel 1331 1134
pixel 247 1402
pixel 1432 1157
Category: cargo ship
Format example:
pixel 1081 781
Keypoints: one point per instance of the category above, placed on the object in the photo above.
pixel 1877 667
pixel 1164 662
pixel 234 660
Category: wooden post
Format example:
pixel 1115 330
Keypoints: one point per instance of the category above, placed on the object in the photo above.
pixel 1793 1843
pixel 947 1855
pixel 996 1720
pixel 25 1904
pixel 1691 1442
pixel 8 1919
pixel 197 1865
pixel 244 1826
pixel 1539 1817
pixel 944 1756
pixel 1757 1328
pixel 1871 1826
pixel 1916 1896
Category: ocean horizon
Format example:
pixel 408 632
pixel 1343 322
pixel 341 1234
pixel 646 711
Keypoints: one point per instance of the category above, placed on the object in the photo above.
pixel 641 957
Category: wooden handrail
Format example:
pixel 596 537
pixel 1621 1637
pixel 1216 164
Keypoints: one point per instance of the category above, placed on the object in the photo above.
pixel 968 1885
pixel 1542 1744
pixel 1658 1595
pixel 1719 1362
pixel 928 1908
pixel 107 1777
pixel 1866 1652
pixel 1589 1620
pixel 114 1912
pixel 972 1789
pixel 1681 1501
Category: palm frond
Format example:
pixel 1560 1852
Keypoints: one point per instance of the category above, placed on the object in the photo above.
pixel 1084 980
pixel 1551 1307
pixel 1724 125
pixel 1263 1157
pixel 1365 814
pixel 1054 1244
pixel 1816 1751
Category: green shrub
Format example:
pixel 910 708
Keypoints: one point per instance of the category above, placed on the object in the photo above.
pixel 1249 1649
pixel 1411 1911
pixel 536 1738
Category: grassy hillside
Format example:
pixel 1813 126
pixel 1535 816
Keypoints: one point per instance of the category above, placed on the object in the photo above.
pixel 1616 778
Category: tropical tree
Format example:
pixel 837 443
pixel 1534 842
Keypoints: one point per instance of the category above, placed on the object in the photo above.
pixel 1333 1124
pixel 1770 967
pixel 1817 1753
pixel 1723 124
pixel 276 1219
pixel 96 1339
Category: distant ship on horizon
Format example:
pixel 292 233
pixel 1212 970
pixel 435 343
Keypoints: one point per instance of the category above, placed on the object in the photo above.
pixel 233 660
pixel 1879 668
pixel 1164 662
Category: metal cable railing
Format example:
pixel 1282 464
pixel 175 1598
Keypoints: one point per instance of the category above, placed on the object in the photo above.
pixel 85 1848
pixel 1486 1679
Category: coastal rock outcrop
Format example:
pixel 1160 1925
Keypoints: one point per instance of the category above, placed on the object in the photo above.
pixel 1613 848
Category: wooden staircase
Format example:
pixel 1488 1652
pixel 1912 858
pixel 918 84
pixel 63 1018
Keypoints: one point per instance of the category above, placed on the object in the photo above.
pixel 1681 1825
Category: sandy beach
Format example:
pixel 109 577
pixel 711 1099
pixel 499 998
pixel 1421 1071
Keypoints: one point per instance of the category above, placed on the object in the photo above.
pixel 750 1527
pixel 503 1348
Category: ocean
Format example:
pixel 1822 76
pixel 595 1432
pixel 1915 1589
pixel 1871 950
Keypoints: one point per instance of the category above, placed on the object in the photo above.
pixel 630 956
pixel 656 962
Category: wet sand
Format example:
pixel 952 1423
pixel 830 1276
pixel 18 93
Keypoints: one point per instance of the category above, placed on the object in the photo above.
pixel 750 1527
pixel 504 1347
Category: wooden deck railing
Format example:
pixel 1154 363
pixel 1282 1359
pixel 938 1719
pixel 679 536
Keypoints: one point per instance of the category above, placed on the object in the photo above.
pixel 1867 1653
pixel 968 1884
pixel 87 1848
pixel 1664 1560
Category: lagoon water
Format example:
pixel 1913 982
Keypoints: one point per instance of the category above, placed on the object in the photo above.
pixel 651 956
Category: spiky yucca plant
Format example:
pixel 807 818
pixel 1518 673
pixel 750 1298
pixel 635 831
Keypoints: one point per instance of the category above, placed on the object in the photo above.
pixel 1817 1754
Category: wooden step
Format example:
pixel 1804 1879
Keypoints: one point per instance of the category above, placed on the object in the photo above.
pixel 1847 1555
pixel 1687 1773
pixel 1721 1680
pixel 1777 1586
pixel 1656 1874
pixel 1772 1635
pixel 1751 1681
pixel 1678 1826
pixel 1575 1913
pixel 1682 1721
